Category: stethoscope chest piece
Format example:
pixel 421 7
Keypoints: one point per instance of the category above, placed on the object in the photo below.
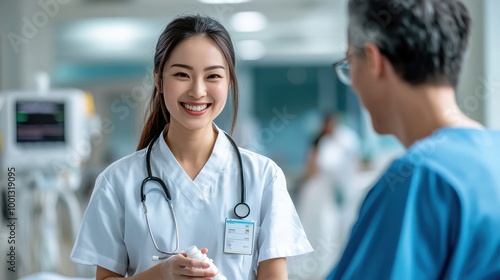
pixel 242 210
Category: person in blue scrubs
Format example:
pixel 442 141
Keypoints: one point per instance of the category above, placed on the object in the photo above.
pixel 435 212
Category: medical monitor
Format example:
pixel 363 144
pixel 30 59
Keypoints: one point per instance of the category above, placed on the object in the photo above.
pixel 47 130
pixel 40 122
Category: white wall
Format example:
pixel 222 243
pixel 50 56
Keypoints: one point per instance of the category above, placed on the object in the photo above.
pixel 9 60
pixel 479 89
pixel 26 29
pixel 39 18
pixel 492 63
pixel 469 92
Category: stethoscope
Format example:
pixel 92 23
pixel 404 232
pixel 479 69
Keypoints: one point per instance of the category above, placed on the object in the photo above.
pixel 241 210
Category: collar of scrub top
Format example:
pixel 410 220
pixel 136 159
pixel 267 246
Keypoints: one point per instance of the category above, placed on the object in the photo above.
pixel 241 209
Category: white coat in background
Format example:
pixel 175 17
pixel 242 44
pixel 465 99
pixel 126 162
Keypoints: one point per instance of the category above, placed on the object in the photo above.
pixel 322 218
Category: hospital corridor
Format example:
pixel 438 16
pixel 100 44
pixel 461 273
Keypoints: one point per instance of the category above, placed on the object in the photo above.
pixel 131 130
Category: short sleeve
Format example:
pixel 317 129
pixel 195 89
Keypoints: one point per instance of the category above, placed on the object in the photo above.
pixel 100 240
pixel 281 233
pixel 405 227
pixel 430 227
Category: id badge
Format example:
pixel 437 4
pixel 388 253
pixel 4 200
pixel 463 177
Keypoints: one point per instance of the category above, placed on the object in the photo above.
pixel 238 237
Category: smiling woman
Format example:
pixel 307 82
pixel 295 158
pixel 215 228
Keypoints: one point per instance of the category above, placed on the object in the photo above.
pixel 196 83
pixel 200 168
pixel 177 33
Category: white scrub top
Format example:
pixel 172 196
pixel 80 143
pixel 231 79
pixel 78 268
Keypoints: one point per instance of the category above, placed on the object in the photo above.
pixel 114 232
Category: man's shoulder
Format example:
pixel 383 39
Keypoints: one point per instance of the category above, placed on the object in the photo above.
pixel 457 158
pixel 455 148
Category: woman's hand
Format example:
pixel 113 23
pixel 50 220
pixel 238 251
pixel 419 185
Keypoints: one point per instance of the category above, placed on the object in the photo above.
pixel 178 267
pixel 182 267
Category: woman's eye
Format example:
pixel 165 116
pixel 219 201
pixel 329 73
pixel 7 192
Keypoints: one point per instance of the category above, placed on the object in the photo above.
pixel 182 75
pixel 214 76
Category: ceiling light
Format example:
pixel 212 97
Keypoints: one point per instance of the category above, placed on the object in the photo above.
pixel 250 49
pixel 108 34
pixel 248 21
pixel 223 1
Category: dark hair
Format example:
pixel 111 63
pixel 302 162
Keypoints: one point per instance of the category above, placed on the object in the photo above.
pixel 177 31
pixel 329 120
pixel 425 40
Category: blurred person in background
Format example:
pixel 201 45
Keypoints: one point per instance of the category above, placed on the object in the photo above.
pixel 324 186
pixel 434 213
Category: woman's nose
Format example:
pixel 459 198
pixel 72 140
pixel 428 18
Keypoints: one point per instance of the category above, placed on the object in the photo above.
pixel 198 89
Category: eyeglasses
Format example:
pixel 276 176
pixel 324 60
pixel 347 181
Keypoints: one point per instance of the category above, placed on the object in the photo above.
pixel 343 69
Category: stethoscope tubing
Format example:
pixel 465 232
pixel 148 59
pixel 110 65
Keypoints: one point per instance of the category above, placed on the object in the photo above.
pixel 241 209
pixel 167 254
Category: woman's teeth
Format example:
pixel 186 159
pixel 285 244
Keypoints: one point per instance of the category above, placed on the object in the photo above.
pixel 195 108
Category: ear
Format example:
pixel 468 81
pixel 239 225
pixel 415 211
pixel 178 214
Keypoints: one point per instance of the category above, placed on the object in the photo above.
pixel 375 60
pixel 157 81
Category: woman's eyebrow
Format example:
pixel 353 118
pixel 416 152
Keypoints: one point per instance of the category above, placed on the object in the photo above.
pixel 191 68
pixel 214 67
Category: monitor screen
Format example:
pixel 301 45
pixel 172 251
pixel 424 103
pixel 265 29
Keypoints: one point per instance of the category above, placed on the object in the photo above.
pixel 40 122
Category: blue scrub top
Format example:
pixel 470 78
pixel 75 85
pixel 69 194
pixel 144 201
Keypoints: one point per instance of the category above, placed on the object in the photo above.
pixel 434 214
